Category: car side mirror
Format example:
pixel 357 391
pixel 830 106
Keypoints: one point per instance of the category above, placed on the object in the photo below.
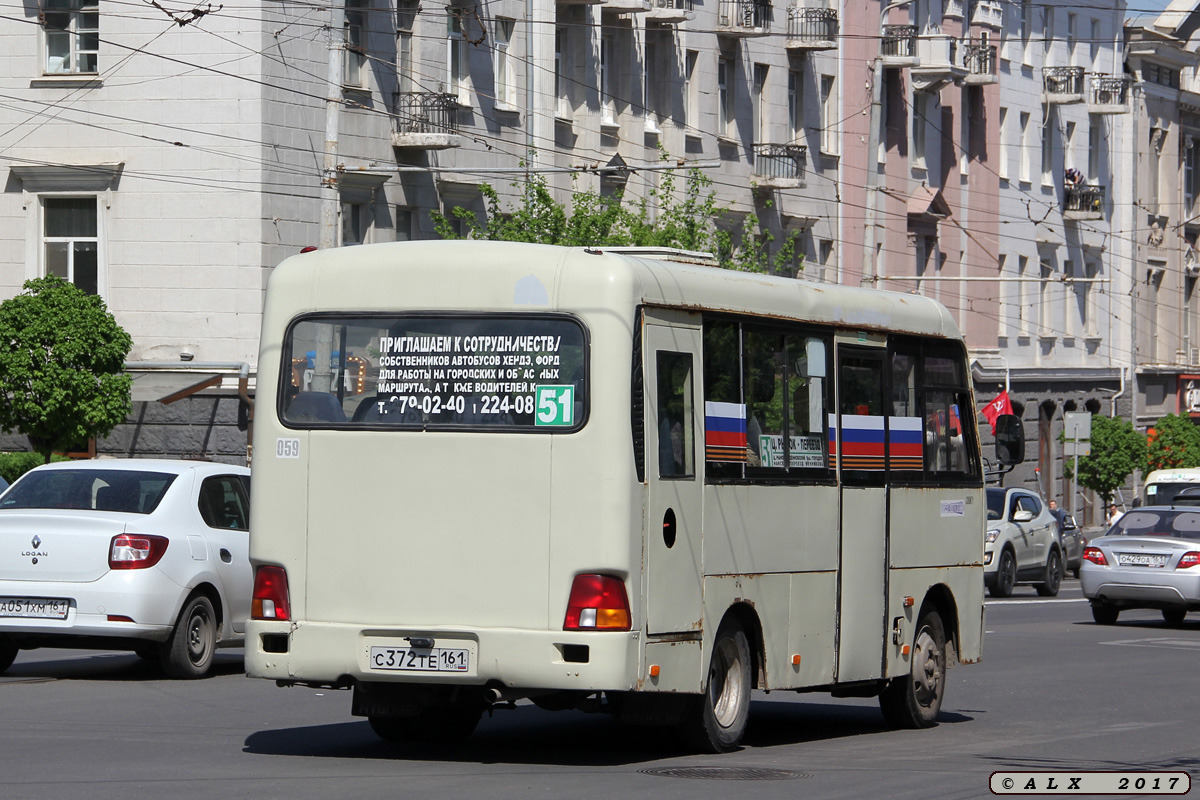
pixel 1022 515
pixel 1010 440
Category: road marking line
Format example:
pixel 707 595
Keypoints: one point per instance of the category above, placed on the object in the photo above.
pixel 1030 602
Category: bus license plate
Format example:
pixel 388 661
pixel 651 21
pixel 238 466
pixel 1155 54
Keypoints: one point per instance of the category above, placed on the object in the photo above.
pixel 34 607
pixel 421 659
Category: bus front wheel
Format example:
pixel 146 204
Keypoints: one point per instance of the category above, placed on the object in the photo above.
pixel 717 719
pixel 914 700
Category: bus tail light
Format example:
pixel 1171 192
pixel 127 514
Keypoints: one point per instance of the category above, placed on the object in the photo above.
pixel 270 599
pixel 136 550
pixel 1190 559
pixel 1095 555
pixel 598 602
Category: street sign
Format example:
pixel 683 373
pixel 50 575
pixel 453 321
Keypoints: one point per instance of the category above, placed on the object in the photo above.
pixel 1072 449
pixel 1078 425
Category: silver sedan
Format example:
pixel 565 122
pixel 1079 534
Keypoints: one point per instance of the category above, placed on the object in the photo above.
pixel 1149 559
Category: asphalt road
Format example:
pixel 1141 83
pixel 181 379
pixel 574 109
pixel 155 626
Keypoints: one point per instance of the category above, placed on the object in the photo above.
pixel 1054 692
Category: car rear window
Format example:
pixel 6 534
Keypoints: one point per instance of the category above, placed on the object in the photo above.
pixel 127 491
pixel 1143 522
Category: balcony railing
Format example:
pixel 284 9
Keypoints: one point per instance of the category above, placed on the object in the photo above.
pixel 744 17
pixel 899 45
pixel 989 13
pixel 780 165
pixel 1083 202
pixel 672 10
pixel 425 120
pixel 1063 84
pixel 812 28
pixel 1109 94
pixel 980 61
pixel 939 62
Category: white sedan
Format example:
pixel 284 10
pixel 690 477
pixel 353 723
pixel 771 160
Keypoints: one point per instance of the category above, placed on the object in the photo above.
pixel 142 555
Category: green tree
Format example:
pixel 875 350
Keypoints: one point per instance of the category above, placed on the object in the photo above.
pixel 669 216
pixel 1117 450
pixel 61 360
pixel 1174 444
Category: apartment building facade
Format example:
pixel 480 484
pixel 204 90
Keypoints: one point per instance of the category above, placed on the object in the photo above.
pixel 167 159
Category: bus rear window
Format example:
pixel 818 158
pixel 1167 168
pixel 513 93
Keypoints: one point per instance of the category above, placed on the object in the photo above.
pixel 425 371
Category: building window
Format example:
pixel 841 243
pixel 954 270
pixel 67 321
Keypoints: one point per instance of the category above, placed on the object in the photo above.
pixel 1044 309
pixel 653 80
pixel 1026 28
pixel 829 116
pixel 458 77
pixel 825 260
pixel 1002 167
pixel 355 53
pixel 406 13
pixel 1072 26
pixel 1191 154
pixel 355 224
pixel 405 220
pixel 1048 125
pixel 919 125
pixel 1069 315
pixel 608 100
pixel 795 105
pixel 71 37
pixel 506 79
pixel 724 96
pixel 759 111
pixel 71 241
pixel 1094 144
pixel 691 93
pixel 1158 138
pixel 1087 315
pixel 1094 41
pixel 1026 154
pixel 1022 295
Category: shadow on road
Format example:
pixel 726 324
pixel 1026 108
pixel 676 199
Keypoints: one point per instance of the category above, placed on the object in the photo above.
pixel 48 665
pixel 528 735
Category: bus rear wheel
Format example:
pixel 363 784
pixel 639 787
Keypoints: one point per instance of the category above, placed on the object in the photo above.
pixel 914 700
pixel 717 719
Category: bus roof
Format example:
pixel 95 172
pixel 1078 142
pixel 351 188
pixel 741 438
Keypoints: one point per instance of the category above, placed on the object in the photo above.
pixel 513 277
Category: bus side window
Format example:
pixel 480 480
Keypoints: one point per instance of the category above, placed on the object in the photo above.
pixel 675 434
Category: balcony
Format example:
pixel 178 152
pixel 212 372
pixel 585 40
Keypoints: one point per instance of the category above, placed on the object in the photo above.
pixel 779 166
pixel 627 6
pixel 938 63
pixel 743 18
pixel 899 46
pixel 1062 85
pixel 1083 202
pixel 980 62
pixel 425 121
pixel 812 28
pixel 990 13
pixel 671 11
pixel 1109 94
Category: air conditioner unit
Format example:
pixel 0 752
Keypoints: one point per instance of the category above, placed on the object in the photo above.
pixel 1191 264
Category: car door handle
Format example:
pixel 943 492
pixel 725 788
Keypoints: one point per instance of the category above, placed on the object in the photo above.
pixel 226 556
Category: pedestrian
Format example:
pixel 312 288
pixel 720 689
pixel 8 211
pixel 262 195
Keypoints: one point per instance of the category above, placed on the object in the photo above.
pixel 1059 517
pixel 1114 514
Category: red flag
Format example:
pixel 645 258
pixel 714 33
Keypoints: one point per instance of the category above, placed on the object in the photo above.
pixel 1001 405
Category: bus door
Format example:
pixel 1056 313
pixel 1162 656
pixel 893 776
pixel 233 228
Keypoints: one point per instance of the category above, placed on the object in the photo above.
pixel 672 419
pixel 863 547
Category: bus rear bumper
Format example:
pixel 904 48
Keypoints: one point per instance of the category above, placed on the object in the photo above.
pixel 331 654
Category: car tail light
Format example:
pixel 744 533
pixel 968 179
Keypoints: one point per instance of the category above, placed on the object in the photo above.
pixel 1095 555
pixel 598 602
pixel 136 550
pixel 270 599
pixel 1186 560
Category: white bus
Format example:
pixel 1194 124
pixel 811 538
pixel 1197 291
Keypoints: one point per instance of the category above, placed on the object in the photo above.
pixel 613 480
pixel 1162 485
